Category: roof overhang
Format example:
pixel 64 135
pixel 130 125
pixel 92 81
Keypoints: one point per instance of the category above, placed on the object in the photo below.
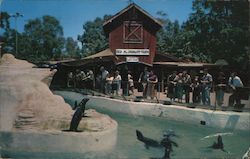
pixel 185 64
pixel 104 53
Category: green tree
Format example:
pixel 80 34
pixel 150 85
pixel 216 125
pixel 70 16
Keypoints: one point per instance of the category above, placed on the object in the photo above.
pixel 220 30
pixel 168 36
pixel 7 34
pixel 4 21
pixel 93 38
pixel 44 39
pixel 71 48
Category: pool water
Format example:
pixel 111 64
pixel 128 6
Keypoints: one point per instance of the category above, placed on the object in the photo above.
pixel 190 140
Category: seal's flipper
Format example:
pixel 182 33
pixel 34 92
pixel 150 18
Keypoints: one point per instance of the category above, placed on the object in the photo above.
pixel 174 143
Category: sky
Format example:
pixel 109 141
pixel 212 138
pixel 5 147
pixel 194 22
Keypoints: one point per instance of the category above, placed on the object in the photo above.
pixel 72 14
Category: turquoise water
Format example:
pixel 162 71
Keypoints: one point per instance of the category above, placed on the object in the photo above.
pixel 190 140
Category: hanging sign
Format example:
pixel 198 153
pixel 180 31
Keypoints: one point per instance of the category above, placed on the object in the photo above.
pixel 132 59
pixel 132 51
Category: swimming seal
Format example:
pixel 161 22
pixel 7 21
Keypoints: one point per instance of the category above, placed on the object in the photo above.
pixel 219 144
pixel 77 117
pixel 147 141
pixel 168 143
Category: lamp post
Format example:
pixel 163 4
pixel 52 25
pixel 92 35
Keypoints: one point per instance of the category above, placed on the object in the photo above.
pixel 16 16
pixel 1 49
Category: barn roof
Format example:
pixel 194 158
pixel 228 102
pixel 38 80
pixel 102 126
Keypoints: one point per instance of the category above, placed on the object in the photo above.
pixel 166 57
pixel 132 5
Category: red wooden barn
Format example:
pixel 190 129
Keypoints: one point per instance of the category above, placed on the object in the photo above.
pixel 132 40
pixel 132 35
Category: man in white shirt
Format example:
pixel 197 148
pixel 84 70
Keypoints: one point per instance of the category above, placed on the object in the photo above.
pixel 235 83
pixel 117 82
pixel 103 79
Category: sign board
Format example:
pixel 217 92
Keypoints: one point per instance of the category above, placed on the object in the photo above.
pixel 132 59
pixel 132 52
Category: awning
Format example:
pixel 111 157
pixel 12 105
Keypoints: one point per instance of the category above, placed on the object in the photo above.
pixel 104 53
pixel 185 64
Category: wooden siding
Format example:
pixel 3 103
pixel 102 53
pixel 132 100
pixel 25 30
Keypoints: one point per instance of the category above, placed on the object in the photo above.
pixel 117 41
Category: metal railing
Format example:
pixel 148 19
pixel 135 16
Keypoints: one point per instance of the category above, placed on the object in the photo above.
pixel 160 95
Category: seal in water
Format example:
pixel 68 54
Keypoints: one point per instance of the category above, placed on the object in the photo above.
pixel 219 144
pixel 78 115
pixel 147 141
pixel 168 144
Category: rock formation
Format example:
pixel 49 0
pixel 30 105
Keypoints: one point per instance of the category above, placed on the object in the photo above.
pixel 26 102
pixel 30 113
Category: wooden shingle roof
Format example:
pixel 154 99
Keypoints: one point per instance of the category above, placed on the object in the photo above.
pixel 113 20
pixel 129 7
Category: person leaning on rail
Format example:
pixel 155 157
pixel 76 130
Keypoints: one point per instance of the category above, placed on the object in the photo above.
pixel 206 86
pixel 186 85
pixel 171 86
pixel 235 83
pixel 152 81
pixel 220 88
pixel 104 74
pixel 143 80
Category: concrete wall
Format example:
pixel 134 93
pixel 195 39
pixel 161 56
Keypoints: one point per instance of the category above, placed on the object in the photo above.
pixel 217 119
pixel 56 142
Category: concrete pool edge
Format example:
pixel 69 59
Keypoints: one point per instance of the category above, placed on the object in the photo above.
pixel 216 119
pixel 57 141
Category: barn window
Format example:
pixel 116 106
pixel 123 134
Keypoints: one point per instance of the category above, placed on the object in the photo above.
pixel 132 32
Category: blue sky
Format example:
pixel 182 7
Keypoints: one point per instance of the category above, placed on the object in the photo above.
pixel 72 14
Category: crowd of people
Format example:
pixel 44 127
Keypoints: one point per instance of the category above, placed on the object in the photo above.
pixel 111 83
pixel 80 79
pixel 179 84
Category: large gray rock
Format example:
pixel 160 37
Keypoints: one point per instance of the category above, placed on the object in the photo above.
pixel 32 117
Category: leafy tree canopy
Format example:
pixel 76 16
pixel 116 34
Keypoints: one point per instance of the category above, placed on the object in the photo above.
pixel 93 38
pixel 43 39
pixel 71 48
pixel 220 30
pixel 4 21
pixel 214 30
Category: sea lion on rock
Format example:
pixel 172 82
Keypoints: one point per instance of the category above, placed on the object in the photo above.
pixel 78 115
